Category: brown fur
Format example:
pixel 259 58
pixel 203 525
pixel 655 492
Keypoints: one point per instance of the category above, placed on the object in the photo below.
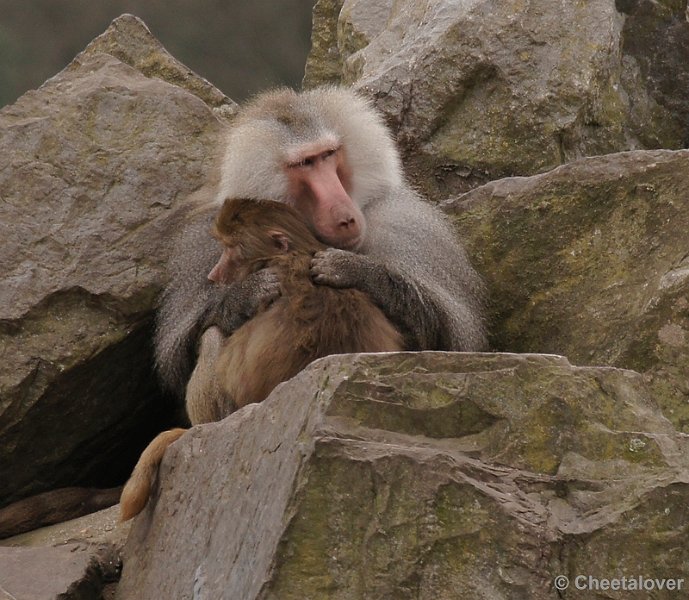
pixel 205 398
pixel 306 322
pixel 52 507
pixel 137 490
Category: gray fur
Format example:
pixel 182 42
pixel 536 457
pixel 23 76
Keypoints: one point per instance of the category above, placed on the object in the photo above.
pixel 410 261
pixel 415 269
pixel 191 303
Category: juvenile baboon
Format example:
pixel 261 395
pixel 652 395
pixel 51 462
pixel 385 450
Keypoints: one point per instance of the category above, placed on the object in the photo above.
pixel 306 321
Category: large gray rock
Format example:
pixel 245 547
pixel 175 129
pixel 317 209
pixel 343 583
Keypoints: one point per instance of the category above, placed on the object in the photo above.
pixel 95 163
pixel 481 89
pixel 591 260
pixel 425 475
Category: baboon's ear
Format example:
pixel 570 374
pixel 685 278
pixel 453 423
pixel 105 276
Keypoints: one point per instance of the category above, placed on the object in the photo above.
pixel 281 240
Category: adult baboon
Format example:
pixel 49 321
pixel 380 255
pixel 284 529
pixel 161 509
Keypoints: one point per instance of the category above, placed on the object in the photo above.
pixel 327 153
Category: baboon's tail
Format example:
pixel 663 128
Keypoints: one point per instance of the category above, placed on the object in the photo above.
pixel 137 490
pixel 54 506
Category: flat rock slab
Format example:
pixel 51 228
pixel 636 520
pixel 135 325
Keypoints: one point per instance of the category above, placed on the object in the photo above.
pixel 69 572
pixel 419 476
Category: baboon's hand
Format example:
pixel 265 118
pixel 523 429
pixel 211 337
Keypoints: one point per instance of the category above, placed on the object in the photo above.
pixel 338 268
pixel 236 303
pixel 399 297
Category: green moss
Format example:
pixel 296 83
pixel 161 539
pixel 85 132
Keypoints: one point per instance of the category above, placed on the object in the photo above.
pixel 325 527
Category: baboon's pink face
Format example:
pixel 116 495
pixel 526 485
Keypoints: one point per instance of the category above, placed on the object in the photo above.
pixel 320 186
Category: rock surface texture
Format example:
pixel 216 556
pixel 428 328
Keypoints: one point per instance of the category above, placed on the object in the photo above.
pixel 481 89
pixel 94 163
pixel 75 571
pixel 591 260
pixel 552 134
pixel 75 560
pixel 425 476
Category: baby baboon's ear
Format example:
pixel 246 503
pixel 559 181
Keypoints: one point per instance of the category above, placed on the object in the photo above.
pixel 281 240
